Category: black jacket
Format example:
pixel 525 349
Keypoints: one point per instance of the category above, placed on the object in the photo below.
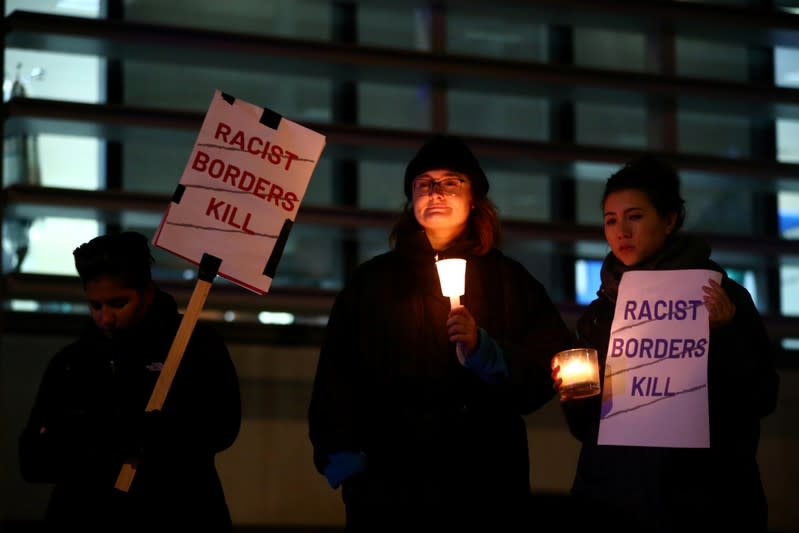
pixel 677 489
pixel 389 383
pixel 88 418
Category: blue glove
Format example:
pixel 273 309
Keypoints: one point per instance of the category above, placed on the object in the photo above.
pixel 487 360
pixel 342 465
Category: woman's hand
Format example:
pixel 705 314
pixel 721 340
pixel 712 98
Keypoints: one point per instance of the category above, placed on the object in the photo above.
pixel 718 304
pixel 557 382
pixel 461 328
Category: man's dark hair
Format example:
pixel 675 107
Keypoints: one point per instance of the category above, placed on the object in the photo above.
pixel 124 256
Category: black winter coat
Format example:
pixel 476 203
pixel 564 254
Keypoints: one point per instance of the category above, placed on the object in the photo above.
pixel 684 489
pixel 389 383
pixel 88 418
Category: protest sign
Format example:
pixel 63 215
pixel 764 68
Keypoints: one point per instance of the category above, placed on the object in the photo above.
pixel 655 381
pixel 240 191
pixel 232 211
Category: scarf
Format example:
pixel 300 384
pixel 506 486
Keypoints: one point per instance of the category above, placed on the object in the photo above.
pixel 679 252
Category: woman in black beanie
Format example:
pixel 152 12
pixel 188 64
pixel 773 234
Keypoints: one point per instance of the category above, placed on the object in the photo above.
pixel 416 432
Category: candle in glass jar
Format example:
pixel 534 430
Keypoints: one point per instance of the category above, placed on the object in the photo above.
pixel 576 371
pixel 579 373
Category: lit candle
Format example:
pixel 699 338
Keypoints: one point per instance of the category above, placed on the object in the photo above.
pixel 576 371
pixel 579 372
pixel 452 276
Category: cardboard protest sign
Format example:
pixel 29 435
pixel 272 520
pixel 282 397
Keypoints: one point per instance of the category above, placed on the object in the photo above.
pixel 655 382
pixel 240 191
pixel 232 211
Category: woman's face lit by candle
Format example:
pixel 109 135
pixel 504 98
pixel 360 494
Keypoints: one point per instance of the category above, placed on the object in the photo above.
pixel 443 216
pixel 634 229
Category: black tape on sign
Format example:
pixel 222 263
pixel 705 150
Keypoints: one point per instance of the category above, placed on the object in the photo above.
pixel 178 194
pixel 277 252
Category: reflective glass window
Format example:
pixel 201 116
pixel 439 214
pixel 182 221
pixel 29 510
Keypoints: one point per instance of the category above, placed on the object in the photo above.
pixel 608 49
pixel 191 88
pixel 789 288
pixel 611 124
pixel 700 58
pixel 786 74
pixel 497 115
pixel 381 185
pixel 590 185
pixel 727 208
pixel 715 134
pixel 788 140
pixel 398 25
pixel 520 195
pixel 788 213
pixel 44 244
pixel 394 106
pixel 309 19
pixel 498 36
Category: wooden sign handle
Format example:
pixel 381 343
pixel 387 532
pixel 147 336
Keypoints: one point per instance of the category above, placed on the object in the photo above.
pixel 209 266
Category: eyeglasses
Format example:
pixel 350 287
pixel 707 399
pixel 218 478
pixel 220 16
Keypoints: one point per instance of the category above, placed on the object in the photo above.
pixel 448 186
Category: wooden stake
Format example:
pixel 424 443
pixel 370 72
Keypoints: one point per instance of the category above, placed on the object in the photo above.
pixel 209 266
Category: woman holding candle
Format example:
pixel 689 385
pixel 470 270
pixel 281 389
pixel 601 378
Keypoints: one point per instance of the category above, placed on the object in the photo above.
pixel 414 435
pixel 675 489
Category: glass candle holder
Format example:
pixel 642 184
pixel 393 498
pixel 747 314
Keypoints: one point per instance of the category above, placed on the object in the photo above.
pixel 579 370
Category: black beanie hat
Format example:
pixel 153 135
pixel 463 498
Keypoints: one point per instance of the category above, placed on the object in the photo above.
pixel 446 152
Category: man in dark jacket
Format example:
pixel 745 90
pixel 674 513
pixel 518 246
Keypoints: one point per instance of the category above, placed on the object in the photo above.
pixel 89 414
